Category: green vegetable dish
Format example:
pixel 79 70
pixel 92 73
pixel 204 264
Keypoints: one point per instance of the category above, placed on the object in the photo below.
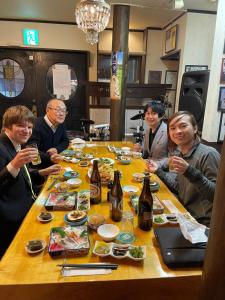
pixel 159 220
pixel 136 252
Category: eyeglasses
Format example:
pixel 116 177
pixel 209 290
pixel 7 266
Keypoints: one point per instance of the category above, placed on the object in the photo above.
pixel 58 110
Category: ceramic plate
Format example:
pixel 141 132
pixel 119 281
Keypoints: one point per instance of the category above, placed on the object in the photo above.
pixel 105 160
pixel 130 189
pixel 43 220
pixel 36 251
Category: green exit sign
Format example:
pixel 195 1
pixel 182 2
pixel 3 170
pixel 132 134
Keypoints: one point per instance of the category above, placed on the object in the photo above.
pixel 30 37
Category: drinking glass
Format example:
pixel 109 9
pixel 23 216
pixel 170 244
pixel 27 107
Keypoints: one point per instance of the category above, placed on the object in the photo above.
pixel 37 160
pixel 170 162
pixel 127 226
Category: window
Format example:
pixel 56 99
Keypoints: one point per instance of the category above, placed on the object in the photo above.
pixel 11 78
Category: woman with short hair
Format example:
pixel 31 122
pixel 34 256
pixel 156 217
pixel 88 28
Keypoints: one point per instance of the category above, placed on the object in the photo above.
pixel 155 140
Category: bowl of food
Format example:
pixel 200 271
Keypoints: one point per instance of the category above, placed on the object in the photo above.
pixel 76 216
pixel 159 220
pixel 125 149
pixel 125 160
pixel 95 220
pixel 83 163
pixel 74 182
pixel 45 217
pixel 138 177
pixel 35 246
pixel 61 186
pixel 130 189
pixel 103 160
pixel 108 232
pixel 136 154
pixel 70 174
pixel 101 249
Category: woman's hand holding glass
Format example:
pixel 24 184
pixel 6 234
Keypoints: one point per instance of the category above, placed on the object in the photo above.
pixel 137 147
pixel 151 166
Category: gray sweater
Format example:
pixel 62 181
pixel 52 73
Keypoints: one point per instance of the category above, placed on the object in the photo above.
pixel 196 187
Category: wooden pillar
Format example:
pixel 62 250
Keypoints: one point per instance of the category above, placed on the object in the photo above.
pixel 213 277
pixel 121 14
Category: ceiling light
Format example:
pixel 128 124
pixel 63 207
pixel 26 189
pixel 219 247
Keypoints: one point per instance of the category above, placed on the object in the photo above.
pixel 178 4
pixel 92 17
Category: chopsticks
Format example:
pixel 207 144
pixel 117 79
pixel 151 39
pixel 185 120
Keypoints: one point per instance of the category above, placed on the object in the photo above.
pixel 91 266
pixel 52 184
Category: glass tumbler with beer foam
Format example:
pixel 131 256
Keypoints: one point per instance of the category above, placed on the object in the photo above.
pixel 171 155
pixel 37 160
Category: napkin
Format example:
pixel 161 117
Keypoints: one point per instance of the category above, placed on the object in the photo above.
pixel 80 271
pixel 192 230
pixel 78 141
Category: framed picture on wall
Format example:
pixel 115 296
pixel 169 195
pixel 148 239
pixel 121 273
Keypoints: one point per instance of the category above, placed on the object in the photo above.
pixel 221 102
pixel 191 68
pixel 171 78
pixel 154 77
pixel 221 133
pixel 222 73
pixel 171 39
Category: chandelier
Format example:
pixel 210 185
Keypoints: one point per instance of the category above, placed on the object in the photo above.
pixel 92 16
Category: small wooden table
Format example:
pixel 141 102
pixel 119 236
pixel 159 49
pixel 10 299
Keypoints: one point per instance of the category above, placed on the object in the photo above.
pixel 25 277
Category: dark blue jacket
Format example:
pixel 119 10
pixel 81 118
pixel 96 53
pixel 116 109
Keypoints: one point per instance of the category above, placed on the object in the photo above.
pixel 45 138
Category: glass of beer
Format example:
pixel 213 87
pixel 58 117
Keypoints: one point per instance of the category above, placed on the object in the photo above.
pixel 171 155
pixel 37 160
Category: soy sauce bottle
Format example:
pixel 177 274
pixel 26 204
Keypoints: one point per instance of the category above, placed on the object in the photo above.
pixel 95 185
pixel 145 206
pixel 116 199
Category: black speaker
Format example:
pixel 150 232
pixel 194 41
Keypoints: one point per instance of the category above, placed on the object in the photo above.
pixel 193 94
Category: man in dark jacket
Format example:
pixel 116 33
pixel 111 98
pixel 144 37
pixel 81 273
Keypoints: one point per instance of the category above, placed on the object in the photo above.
pixel 49 132
pixel 16 188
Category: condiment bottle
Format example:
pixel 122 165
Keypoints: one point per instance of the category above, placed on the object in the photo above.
pixel 145 206
pixel 116 199
pixel 95 185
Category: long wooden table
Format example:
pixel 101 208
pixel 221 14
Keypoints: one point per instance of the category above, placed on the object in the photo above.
pixel 37 277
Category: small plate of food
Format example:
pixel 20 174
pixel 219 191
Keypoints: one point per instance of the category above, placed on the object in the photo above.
pixel 35 246
pixel 95 220
pixel 159 219
pixel 71 174
pixel 76 215
pixel 101 249
pixel 125 160
pixel 45 217
pixel 83 163
pixel 137 252
pixel 130 189
pixel 138 177
pixel 104 160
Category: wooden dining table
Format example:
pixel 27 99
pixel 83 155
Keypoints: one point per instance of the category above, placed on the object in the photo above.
pixel 23 276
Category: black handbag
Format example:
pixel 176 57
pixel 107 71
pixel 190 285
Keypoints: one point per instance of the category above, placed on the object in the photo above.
pixel 176 251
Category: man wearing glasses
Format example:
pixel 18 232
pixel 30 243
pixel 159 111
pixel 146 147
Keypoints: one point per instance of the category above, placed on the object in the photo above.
pixel 49 132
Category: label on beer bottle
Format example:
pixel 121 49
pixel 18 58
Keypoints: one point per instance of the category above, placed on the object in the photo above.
pixel 147 216
pixel 95 193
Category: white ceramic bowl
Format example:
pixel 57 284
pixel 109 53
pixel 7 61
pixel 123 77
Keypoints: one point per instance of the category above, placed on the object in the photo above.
pixel 138 177
pixel 136 154
pixel 130 189
pixel 125 149
pixel 74 182
pixel 108 232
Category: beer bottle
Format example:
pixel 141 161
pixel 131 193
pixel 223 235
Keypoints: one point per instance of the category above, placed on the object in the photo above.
pixel 95 185
pixel 116 199
pixel 145 206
